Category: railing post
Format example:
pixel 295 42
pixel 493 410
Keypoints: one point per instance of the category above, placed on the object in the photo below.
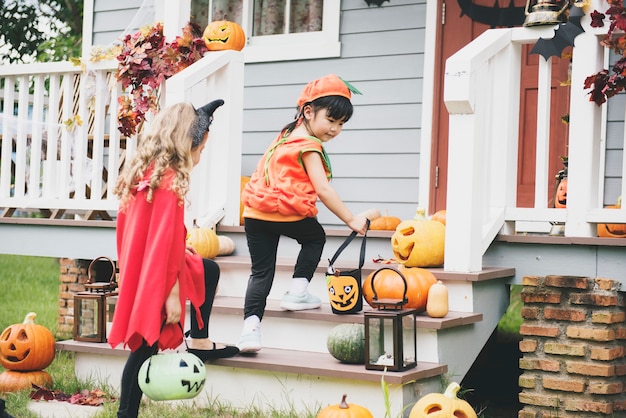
pixel 584 138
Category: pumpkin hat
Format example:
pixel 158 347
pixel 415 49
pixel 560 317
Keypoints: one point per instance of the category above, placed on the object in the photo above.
pixel 203 121
pixel 329 85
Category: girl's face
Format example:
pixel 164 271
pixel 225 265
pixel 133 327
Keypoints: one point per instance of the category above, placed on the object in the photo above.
pixel 322 126
pixel 196 152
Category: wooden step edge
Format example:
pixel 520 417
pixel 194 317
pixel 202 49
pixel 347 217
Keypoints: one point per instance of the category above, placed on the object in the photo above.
pixel 287 361
pixel 286 264
pixel 234 306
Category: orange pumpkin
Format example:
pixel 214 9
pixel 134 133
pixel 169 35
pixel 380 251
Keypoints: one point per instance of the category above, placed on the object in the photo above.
pixel 385 223
pixel 204 241
pixel 443 405
pixel 14 381
pixel 560 197
pixel 26 346
pixel 345 410
pixel 389 285
pixel 612 230
pixel 419 243
pixel 221 35
pixel 439 216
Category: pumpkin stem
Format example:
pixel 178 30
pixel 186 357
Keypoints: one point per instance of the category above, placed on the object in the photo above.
pixel 30 318
pixel 344 404
pixel 452 389
pixel 420 214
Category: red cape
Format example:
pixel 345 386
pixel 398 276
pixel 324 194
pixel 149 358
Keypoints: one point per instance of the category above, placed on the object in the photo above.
pixel 151 255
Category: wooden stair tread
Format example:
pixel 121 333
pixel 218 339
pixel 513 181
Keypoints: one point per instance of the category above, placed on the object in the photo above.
pixel 234 305
pixel 286 264
pixel 287 361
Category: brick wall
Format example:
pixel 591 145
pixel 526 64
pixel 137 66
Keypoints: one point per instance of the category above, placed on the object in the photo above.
pixel 573 348
pixel 73 276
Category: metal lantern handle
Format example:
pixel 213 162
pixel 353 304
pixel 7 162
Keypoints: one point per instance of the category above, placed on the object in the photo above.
pixel 101 285
pixel 389 303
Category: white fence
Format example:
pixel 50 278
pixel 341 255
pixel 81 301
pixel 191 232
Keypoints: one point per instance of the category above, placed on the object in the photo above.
pixel 482 94
pixel 61 149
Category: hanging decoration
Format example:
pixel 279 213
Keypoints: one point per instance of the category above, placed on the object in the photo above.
pixel 494 16
pixel 378 3
pixel 564 35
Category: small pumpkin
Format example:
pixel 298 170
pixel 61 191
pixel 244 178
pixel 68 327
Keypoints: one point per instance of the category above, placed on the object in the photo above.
pixel 439 216
pixel 560 197
pixel 15 381
pixel 446 405
pixel 385 223
pixel 437 302
pixel 26 346
pixel 346 343
pixel 226 245
pixel 221 35
pixel 345 410
pixel 389 286
pixel 419 242
pixel 204 241
pixel 612 230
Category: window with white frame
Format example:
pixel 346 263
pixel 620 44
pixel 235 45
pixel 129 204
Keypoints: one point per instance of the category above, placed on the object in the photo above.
pixel 278 30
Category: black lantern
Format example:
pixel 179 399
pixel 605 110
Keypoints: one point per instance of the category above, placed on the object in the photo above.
pixel 390 332
pixel 91 308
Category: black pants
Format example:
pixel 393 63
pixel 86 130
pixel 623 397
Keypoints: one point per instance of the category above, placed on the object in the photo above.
pixel 130 394
pixel 263 237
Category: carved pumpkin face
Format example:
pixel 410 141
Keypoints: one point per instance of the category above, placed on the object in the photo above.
pixel 172 376
pixel 560 198
pixel 343 292
pixel 27 346
pixel 443 405
pixel 221 35
pixel 612 230
pixel 419 243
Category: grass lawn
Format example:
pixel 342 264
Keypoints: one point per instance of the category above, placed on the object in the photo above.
pixel 31 284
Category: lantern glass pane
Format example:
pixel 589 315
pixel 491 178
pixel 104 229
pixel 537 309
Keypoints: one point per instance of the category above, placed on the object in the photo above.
pixel 408 339
pixel 381 341
pixel 87 315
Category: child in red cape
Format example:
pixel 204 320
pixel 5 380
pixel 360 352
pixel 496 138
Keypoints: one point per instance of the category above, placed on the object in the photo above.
pixel 158 271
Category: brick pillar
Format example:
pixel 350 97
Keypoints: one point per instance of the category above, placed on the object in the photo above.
pixel 73 276
pixel 573 347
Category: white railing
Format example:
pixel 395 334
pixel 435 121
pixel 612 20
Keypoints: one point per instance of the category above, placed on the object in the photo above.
pixel 61 149
pixel 482 95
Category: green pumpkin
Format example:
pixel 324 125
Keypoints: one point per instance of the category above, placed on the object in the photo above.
pixel 170 376
pixel 346 343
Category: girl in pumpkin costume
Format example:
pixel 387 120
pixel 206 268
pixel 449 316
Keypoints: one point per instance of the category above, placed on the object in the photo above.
pixel 280 199
pixel 158 272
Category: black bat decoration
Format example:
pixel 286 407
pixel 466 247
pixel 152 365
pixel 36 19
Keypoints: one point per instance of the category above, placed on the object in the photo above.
pixel 376 2
pixel 564 36
pixel 495 15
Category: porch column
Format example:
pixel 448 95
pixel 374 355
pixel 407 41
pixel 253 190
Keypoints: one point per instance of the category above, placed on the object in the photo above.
pixel 174 14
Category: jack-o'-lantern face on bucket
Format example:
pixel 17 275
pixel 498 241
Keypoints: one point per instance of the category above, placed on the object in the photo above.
pixel 343 292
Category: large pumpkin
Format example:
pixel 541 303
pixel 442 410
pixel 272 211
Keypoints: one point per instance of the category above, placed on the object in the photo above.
pixel 446 405
pixel 221 35
pixel 204 241
pixel 14 381
pixel 26 346
pixel 346 343
pixel 419 243
pixel 345 410
pixel 388 284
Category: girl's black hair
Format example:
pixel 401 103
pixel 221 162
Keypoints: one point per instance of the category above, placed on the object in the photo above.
pixel 337 107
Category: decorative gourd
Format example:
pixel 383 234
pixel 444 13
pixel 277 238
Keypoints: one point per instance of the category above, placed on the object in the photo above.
pixel 439 216
pixel 204 241
pixel 613 230
pixel 243 181
pixel 15 381
pixel 437 302
pixel 389 285
pixel 446 405
pixel 226 245
pixel 221 35
pixel 26 346
pixel 419 242
pixel 345 410
pixel 346 343
pixel 385 223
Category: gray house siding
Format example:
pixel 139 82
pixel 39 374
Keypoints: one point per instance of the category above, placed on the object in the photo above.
pixel 376 159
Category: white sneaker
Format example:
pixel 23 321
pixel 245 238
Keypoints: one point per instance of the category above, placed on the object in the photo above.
pixel 292 302
pixel 250 341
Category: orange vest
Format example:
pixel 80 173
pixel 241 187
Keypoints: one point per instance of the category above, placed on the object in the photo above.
pixel 280 185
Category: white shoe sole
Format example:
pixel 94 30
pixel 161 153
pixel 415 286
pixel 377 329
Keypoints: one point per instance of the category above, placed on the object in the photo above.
pixel 249 349
pixel 286 306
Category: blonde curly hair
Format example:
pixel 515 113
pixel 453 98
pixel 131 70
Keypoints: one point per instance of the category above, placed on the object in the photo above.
pixel 167 145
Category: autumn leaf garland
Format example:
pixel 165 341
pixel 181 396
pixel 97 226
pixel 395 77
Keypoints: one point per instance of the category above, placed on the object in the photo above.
pixel 145 61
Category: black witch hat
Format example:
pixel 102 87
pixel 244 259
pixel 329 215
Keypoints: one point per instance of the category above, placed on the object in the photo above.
pixel 203 120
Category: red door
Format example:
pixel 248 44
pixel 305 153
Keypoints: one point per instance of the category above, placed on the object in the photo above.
pixel 456 31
